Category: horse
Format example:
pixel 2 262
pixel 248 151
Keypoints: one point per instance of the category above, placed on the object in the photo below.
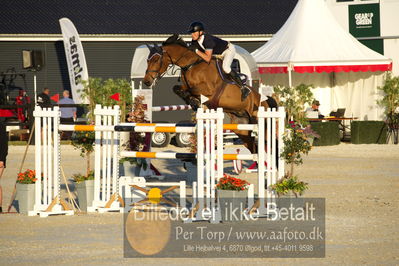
pixel 200 78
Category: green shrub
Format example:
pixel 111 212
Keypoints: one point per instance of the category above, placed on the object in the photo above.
pixel 368 132
pixel 328 131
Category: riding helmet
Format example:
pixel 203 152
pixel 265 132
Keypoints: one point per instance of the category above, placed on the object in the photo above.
pixel 196 26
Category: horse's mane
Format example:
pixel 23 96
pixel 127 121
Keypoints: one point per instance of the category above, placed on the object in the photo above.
pixel 175 39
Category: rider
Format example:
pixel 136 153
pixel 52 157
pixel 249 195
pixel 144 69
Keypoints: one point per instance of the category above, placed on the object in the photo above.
pixel 205 45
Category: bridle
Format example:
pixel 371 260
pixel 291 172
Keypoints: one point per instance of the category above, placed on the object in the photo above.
pixel 161 54
pixel 158 75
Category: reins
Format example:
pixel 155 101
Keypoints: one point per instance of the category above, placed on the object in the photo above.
pixel 184 69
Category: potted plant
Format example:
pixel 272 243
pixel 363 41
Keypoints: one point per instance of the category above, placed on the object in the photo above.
pixel 390 102
pixel 297 141
pixel 84 185
pixel 98 91
pixel 294 100
pixel 287 189
pixel 289 186
pixel 232 195
pixel 26 191
pixel 84 141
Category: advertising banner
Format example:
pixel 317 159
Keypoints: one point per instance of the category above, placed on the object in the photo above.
pixel 364 21
pixel 77 68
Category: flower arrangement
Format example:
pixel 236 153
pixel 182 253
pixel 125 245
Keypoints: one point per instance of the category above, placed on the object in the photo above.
pixel 27 177
pixel 137 115
pixel 78 178
pixel 289 183
pixel 231 183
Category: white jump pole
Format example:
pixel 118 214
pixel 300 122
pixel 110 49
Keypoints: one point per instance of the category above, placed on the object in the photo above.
pixel 281 129
pixel 261 158
pixel 200 161
pixel 47 164
pixel 270 138
pixel 106 168
pixel 38 160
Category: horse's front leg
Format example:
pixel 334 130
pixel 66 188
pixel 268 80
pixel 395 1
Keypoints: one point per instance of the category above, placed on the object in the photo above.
pixel 183 93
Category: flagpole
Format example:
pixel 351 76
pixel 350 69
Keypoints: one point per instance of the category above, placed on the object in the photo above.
pixel 34 87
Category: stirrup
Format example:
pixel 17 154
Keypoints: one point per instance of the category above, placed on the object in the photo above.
pixel 244 93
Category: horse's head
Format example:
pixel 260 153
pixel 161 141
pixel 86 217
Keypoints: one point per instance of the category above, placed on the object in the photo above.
pixel 157 64
pixel 173 51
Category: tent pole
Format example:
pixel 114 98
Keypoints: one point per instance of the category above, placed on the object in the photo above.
pixel 289 76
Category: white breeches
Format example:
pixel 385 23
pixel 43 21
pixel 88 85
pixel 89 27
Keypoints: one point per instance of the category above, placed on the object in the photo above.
pixel 228 56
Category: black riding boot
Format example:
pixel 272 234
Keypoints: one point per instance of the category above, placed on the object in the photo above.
pixel 244 90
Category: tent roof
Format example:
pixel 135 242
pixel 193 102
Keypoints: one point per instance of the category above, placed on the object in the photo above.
pixel 311 40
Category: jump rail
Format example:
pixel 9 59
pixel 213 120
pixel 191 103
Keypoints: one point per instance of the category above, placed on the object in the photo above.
pixel 170 108
pixel 209 129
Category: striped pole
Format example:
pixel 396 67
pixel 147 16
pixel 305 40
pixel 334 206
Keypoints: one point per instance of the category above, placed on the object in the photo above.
pixel 151 127
pixel 177 155
pixel 170 108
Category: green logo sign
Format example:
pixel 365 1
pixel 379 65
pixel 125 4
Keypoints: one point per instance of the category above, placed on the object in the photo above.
pixel 364 21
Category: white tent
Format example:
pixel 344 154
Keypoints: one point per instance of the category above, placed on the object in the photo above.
pixel 312 48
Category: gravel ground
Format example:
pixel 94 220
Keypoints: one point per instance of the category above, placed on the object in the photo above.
pixel 359 183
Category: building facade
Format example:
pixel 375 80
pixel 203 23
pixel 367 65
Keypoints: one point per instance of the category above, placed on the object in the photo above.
pixel 110 32
pixel 373 22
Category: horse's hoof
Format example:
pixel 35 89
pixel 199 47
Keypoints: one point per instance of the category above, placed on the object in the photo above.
pixel 194 107
pixel 194 104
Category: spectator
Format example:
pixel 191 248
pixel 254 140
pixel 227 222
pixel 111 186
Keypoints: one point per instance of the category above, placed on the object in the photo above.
pixel 68 114
pixel 22 99
pixel 43 99
pixel 315 108
pixel 3 154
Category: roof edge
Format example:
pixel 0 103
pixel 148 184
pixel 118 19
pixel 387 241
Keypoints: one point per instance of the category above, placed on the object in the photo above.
pixel 127 37
pixel 325 63
pixel 373 67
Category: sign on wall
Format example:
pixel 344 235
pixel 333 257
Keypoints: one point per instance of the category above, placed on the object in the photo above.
pixel 364 21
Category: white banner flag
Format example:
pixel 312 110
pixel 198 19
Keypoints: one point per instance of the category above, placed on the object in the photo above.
pixel 76 60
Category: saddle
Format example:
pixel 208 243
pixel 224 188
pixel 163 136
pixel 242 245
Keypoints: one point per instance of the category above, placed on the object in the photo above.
pixel 213 103
pixel 226 78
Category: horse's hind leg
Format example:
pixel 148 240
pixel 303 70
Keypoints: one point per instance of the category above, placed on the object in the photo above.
pixel 187 97
pixel 248 140
pixel 244 135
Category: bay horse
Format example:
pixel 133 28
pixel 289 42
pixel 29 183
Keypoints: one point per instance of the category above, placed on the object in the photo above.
pixel 200 78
